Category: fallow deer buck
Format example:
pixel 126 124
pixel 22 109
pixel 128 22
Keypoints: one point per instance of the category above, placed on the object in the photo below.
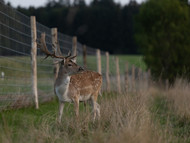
pixel 74 84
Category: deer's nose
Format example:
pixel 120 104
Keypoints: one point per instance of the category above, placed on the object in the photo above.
pixel 81 69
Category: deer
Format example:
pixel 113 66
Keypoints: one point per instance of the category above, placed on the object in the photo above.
pixel 74 84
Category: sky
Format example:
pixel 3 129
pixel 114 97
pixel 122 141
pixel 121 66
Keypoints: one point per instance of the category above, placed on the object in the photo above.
pixel 37 3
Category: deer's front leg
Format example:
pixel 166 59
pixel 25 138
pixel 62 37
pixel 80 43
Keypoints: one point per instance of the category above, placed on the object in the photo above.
pixel 61 106
pixel 76 106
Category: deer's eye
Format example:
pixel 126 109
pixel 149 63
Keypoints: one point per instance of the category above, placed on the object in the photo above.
pixel 69 65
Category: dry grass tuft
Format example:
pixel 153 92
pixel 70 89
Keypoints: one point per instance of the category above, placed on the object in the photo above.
pixel 179 94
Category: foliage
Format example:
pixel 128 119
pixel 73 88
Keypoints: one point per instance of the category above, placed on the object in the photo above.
pixel 164 35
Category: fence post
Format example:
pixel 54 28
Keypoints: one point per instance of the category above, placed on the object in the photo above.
pixel 107 73
pixel 99 66
pixel 139 78
pixel 33 59
pixel 126 78
pixel 118 75
pixel 133 78
pixel 74 48
pixel 84 56
pixel 54 42
pixel 139 74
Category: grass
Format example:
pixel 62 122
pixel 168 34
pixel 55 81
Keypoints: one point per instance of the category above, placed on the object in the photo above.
pixel 171 110
pixel 33 125
pixel 18 72
pixel 146 116
pixel 136 60
pixel 22 65
pixel 178 127
pixel 123 117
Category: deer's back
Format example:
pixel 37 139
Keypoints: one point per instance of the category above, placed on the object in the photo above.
pixel 86 82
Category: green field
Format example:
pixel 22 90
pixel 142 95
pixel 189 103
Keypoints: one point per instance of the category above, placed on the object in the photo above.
pixel 23 64
pixel 18 71
pixel 136 60
pixel 17 78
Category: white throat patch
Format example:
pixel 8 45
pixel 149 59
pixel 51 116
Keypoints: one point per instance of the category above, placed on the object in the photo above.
pixel 62 90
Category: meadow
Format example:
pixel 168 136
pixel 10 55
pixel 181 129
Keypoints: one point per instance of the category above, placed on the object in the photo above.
pixel 18 71
pixel 146 115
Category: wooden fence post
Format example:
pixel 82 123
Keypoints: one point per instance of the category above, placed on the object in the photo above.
pixel 84 56
pixel 33 60
pixel 55 42
pixel 126 78
pixel 99 66
pixel 139 74
pixel 107 73
pixel 118 75
pixel 74 48
pixel 133 78
pixel 139 78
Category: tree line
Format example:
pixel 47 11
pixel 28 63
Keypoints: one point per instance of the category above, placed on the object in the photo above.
pixel 101 24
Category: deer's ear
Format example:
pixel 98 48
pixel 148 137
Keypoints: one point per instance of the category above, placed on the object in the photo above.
pixel 59 62
pixel 63 62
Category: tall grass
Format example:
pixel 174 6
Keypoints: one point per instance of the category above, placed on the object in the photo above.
pixel 180 96
pixel 146 116
pixel 124 118
pixel 170 109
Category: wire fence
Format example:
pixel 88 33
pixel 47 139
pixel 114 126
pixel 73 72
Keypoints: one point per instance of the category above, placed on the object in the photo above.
pixel 15 62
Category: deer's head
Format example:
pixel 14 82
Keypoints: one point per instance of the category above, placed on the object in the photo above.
pixel 67 65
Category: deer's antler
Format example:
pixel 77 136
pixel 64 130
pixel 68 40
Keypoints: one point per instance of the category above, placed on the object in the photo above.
pixel 72 57
pixel 44 49
pixel 58 49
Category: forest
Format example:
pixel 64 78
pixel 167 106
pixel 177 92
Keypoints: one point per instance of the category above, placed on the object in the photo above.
pixel 101 24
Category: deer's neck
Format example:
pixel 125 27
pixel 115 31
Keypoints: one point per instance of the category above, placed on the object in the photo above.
pixel 62 79
pixel 62 87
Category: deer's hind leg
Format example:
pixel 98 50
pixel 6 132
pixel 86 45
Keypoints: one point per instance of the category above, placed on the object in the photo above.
pixel 95 106
pixel 98 110
pixel 76 106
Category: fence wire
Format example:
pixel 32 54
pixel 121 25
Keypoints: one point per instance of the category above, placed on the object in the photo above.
pixel 15 61
pixel 15 45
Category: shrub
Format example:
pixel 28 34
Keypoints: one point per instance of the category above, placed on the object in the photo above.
pixel 164 37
